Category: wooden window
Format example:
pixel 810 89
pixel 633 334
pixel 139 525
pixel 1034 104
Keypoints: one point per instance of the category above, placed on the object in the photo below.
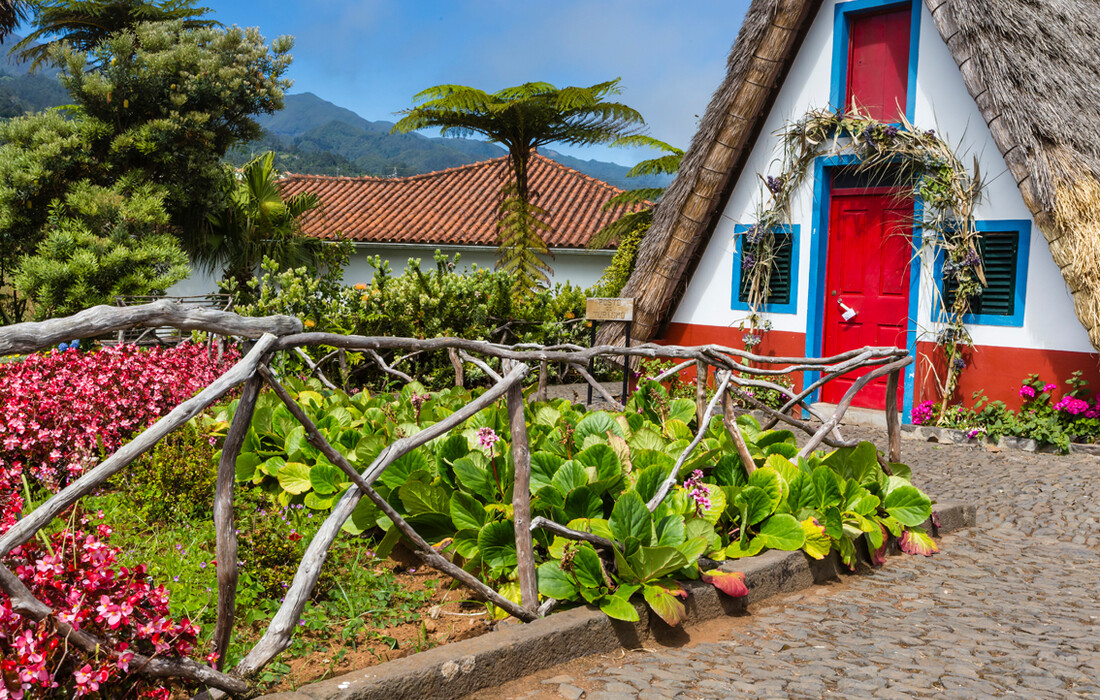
pixel 779 291
pixel 999 251
pixel 878 62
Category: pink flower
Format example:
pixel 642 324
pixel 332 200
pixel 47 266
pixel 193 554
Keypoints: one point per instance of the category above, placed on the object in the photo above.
pixel 1072 406
pixel 1028 392
pixel 1050 388
pixel 698 492
pixel 487 437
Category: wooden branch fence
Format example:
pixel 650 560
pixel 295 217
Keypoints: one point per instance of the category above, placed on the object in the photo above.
pixel 736 372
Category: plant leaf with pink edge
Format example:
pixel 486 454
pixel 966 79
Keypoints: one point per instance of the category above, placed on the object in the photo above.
pixel 818 543
pixel 917 541
pixel 878 554
pixel 732 583
pixel 663 602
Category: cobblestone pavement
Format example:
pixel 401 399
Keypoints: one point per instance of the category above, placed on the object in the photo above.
pixel 1008 608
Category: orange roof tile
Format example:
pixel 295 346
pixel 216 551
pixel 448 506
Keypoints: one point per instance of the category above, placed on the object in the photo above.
pixel 453 206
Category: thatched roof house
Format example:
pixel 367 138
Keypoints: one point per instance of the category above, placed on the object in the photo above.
pixel 1032 70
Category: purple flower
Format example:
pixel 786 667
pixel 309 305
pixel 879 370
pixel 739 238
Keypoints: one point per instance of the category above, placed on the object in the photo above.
pixel 958 363
pixel 698 492
pixel 891 130
pixel 975 432
pixel 775 184
pixel 1027 391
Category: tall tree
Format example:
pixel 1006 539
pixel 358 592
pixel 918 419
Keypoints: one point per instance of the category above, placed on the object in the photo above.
pixel 521 119
pixel 162 111
pixel 12 14
pixel 258 222
pixel 84 24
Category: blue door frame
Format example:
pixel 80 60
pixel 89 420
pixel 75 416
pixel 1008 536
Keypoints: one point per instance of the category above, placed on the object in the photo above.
pixel 819 249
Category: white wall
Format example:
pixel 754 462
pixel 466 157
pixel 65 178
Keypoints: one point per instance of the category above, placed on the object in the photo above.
pixel 579 267
pixel 942 103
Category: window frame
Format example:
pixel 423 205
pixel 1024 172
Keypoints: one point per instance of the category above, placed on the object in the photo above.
pixel 844 11
pixel 791 307
pixel 1022 227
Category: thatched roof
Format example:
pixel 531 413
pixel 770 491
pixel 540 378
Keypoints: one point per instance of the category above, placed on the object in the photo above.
pixel 1033 68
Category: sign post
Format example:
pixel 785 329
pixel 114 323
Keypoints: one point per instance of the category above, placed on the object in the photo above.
pixel 610 309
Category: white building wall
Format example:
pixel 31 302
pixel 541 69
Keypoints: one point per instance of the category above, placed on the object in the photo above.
pixel 579 267
pixel 942 103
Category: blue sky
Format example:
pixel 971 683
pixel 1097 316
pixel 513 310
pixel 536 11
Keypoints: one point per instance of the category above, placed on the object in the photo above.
pixel 372 56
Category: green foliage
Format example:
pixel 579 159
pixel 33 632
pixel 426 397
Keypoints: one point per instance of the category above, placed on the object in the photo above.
pixel 257 224
pixel 175 481
pixel 100 244
pixel 591 471
pixel 622 264
pixel 158 115
pixel 521 119
pixel 83 24
pixel 422 304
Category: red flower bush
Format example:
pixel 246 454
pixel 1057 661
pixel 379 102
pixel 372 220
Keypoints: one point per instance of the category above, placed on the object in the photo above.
pixel 82 581
pixel 60 409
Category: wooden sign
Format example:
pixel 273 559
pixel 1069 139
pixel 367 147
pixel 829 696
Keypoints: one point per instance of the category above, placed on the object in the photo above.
pixel 609 309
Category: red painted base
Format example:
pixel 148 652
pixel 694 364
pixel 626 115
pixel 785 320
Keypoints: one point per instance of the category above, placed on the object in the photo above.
pixel 997 371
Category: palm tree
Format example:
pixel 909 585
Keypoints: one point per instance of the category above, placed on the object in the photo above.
pixel 521 119
pixel 12 14
pixel 83 24
pixel 256 223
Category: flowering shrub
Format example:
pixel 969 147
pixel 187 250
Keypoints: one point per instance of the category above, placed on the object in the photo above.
pixel 1075 417
pixel 63 409
pixel 78 576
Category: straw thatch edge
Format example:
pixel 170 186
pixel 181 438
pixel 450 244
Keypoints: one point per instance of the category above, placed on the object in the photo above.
pixel 1057 172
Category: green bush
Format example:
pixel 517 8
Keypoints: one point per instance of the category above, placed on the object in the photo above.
pixel 175 481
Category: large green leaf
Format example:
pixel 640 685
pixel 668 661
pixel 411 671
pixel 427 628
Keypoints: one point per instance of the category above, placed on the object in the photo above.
pixel 678 430
pixel 681 410
pixel 751 549
pixel 363 518
pixel 555 583
pixel 908 505
pixel 771 483
pixel 603 461
pixel 859 500
pixel 433 527
pixel 859 463
pixel 646 439
pixel 497 543
pixel 631 518
pixel 327 478
pixel 587 567
pixel 618 605
pixel 571 475
pixel 649 563
pixel 755 504
pixel 543 467
pixel 783 532
pixel 475 479
pixel 596 423
pixel 649 480
pixel 246 465
pixel 466 511
pixel 582 502
pixel 293 442
pixel 817 543
pixel 828 489
pixel 670 530
pixel 453 448
pixel 398 472
pixel 665 602
pixel 294 478
pixel 729 471
pixel 803 493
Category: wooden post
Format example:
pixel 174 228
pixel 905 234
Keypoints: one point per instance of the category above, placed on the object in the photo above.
pixel 521 500
pixel 701 374
pixel 226 534
pixel 544 371
pixel 893 424
pixel 735 432
pixel 457 364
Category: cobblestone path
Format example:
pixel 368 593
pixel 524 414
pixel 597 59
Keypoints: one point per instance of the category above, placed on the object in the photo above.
pixel 1008 608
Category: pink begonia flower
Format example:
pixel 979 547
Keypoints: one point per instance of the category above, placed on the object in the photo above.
pixel 1027 391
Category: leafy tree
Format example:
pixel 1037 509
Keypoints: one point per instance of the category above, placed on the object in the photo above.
pixel 85 24
pixel 102 243
pixel 521 119
pixel 12 14
pixel 162 111
pixel 258 222
pixel 629 229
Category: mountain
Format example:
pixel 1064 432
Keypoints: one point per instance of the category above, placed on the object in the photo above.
pixel 21 91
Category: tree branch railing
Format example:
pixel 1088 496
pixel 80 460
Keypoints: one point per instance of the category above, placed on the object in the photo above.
pixel 736 373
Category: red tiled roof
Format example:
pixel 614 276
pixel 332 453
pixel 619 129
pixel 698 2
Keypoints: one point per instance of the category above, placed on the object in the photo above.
pixel 453 206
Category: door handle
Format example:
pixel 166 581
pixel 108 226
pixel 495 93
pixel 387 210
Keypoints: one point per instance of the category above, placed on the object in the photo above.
pixel 846 312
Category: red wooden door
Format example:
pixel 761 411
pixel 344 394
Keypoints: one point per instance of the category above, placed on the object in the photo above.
pixel 867 270
pixel 878 63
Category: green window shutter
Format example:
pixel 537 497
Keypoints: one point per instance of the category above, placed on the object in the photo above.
pixel 999 255
pixel 780 283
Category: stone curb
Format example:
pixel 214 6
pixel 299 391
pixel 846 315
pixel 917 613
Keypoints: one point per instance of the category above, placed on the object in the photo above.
pixel 954 436
pixel 513 651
